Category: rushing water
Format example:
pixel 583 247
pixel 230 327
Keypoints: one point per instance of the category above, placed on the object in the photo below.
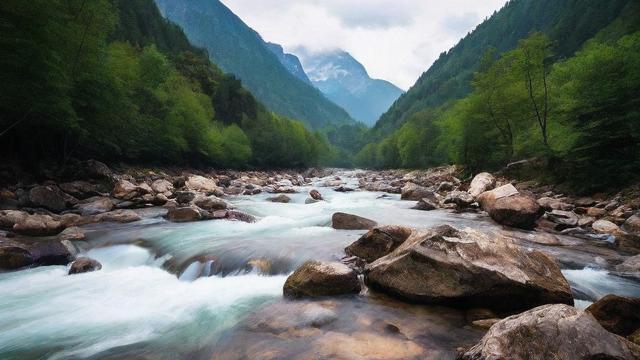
pixel 195 290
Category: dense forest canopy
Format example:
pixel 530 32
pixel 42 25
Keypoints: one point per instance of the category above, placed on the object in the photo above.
pixel 569 23
pixel 112 79
pixel 241 51
pixel 576 110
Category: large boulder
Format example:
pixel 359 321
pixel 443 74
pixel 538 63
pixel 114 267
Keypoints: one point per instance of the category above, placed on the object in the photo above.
pixel 83 265
pixel 39 225
pixel 316 278
pixel 378 242
pixel 508 207
pixel 618 314
pixel 184 214
pixel 411 191
pixel 345 221
pixel 481 183
pixel 49 197
pixel 467 268
pixel 203 184
pixel 95 206
pixel 18 254
pixel 550 332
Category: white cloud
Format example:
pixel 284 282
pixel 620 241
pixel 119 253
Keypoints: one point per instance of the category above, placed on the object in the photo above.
pixel 396 40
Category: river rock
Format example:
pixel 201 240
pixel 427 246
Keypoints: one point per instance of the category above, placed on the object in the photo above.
pixel 98 170
pixel 119 216
pixel 315 195
pixel 210 203
pixel 467 268
pixel 550 204
pixel 185 197
pixel 8 218
pixel 596 212
pixel 125 190
pixel 378 242
pixel 73 233
pixel 487 198
pixel 282 198
pixel 618 314
pixel 606 227
pixel 82 189
pixel 630 265
pixel 203 184
pixel 481 183
pixel 426 204
pixel 461 199
pixel 411 191
pixel 240 216
pixel 563 219
pixel 632 224
pixel 162 186
pixel 84 265
pixel 343 221
pixel 38 225
pixel 585 202
pixel 96 206
pixel 508 207
pixel 316 278
pixel 18 254
pixel 184 214
pixel 49 197
pixel 550 332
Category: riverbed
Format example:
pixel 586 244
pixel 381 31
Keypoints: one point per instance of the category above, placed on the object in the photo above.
pixel 213 289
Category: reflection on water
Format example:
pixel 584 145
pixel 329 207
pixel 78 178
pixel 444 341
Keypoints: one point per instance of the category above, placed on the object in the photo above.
pixel 170 291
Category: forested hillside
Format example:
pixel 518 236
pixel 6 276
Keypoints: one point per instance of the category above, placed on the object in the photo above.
pixel 576 110
pixel 568 23
pixel 239 50
pixel 112 79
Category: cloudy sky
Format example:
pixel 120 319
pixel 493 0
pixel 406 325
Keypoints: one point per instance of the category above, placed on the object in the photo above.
pixel 396 40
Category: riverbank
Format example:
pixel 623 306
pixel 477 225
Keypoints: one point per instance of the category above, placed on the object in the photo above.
pixel 217 251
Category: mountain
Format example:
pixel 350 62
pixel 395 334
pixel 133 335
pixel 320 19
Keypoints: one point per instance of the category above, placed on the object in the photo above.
pixel 239 50
pixel 289 61
pixel 569 23
pixel 345 81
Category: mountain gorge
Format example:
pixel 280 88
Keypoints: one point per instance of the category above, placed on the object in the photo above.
pixel 346 82
pixel 569 23
pixel 240 51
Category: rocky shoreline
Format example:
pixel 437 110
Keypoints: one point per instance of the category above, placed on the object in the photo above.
pixel 517 293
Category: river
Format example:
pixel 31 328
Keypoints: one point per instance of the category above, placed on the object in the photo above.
pixel 213 289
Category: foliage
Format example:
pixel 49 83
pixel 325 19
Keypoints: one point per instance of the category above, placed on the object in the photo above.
pixel 115 81
pixel 583 111
pixel 239 50
pixel 568 23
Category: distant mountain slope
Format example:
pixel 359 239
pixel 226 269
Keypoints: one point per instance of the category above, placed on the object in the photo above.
pixel 568 22
pixel 239 50
pixel 346 82
pixel 290 61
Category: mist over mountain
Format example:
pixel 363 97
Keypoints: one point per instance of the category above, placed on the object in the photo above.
pixel 346 82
